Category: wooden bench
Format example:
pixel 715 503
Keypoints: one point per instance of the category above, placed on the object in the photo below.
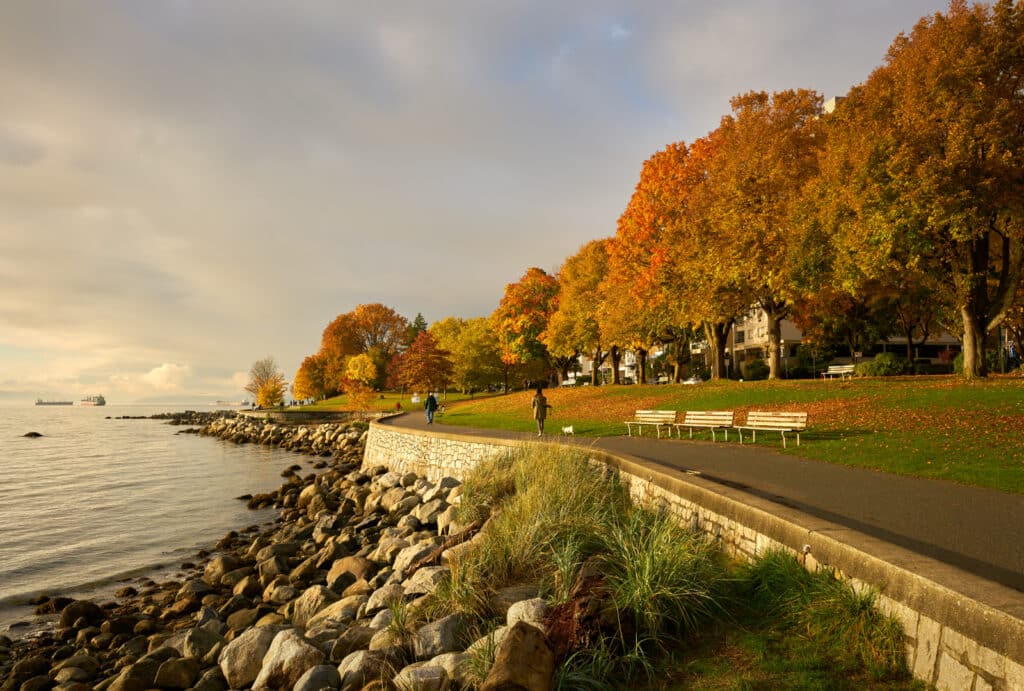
pixel 656 418
pixel 706 419
pixel 841 371
pixel 762 421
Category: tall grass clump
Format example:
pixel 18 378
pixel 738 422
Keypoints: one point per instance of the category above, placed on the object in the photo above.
pixel 662 579
pixel 551 522
pixel 842 624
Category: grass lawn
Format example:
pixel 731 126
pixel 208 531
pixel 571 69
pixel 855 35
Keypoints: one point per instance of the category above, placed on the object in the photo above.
pixel 388 401
pixel 934 427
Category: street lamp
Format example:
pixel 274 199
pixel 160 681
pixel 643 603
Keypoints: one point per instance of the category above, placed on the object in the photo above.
pixel 785 356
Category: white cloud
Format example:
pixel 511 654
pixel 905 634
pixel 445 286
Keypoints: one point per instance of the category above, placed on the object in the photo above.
pixel 167 377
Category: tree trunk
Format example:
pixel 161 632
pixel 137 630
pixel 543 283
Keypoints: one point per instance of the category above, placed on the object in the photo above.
pixel 774 339
pixel 974 345
pixel 595 370
pixel 616 356
pixel 717 336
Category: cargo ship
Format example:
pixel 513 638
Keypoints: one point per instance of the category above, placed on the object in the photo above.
pixel 40 401
pixel 93 400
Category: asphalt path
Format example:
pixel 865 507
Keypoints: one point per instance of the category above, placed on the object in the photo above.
pixel 977 530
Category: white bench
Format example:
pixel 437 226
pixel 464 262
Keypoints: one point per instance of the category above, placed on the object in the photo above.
pixel 841 371
pixel 706 419
pixel 656 418
pixel 782 422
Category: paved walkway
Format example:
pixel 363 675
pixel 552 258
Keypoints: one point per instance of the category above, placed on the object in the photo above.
pixel 978 530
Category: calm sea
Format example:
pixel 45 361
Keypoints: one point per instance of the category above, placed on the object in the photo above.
pixel 98 500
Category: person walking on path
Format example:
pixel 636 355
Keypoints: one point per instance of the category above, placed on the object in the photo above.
pixel 540 409
pixel 430 405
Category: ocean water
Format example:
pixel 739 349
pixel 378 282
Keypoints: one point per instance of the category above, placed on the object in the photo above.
pixel 95 501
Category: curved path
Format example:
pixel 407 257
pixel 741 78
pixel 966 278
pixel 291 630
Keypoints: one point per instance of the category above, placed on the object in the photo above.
pixel 980 531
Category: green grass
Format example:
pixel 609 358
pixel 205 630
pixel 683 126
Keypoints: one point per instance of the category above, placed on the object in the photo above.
pixel 386 401
pixel 933 427
pixel 663 609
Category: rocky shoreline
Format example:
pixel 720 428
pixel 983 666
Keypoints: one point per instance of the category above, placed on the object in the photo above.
pixel 308 603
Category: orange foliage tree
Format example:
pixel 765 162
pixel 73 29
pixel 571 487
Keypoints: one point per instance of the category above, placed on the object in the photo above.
pixel 925 166
pixel 573 327
pixel 424 366
pixel 520 320
pixel 371 329
pixel 309 379
pixel 766 152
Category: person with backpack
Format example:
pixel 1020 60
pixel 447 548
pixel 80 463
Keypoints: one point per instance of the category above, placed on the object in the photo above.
pixel 430 405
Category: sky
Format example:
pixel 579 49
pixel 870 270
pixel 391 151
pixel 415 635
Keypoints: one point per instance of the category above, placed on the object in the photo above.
pixel 187 187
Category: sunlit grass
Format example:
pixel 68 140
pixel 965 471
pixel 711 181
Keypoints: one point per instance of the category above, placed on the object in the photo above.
pixel 663 603
pixel 934 427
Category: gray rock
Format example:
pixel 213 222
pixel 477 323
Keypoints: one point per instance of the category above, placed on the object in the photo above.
pixel 425 580
pixel 242 658
pixel 382 597
pixel 422 677
pixel 531 611
pixel 288 658
pixel 339 613
pixel 362 667
pixel 179 673
pixel 412 554
pixel 211 680
pixel 352 639
pixel 312 601
pixel 319 677
pixel 446 635
pixel 458 666
pixel 199 643
pixel 218 567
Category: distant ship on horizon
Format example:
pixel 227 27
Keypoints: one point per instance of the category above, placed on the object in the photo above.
pixel 40 401
pixel 93 400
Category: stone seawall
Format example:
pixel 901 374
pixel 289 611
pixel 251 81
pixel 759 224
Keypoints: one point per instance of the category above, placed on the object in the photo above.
pixel 962 632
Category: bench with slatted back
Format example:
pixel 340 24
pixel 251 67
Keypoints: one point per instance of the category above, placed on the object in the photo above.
pixel 841 371
pixel 655 418
pixel 782 422
pixel 706 419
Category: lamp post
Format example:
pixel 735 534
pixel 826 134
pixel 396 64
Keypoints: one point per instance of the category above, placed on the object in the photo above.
pixel 785 356
pixel 728 364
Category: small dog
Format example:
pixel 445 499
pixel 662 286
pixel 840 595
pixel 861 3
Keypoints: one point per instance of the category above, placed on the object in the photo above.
pixel 568 431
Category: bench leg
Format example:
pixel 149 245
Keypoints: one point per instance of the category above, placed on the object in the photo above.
pixel 783 440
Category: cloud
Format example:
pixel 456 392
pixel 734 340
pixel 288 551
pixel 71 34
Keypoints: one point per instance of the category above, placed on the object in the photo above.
pixel 208 183
pixel 167 377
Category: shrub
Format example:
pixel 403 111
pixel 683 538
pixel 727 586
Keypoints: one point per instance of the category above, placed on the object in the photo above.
pixel 755 369
pixel 883 365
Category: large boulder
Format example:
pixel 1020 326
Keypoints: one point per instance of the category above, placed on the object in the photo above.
pixel 242 658
pixel 179 673
pixel 317 678
pixel 218 567
pixel 422 677
pixel 523 661
pixel 362 667
pixel 312 601
pixel 446 635
pixel 81 609
pixel 288 658
pixel 347 570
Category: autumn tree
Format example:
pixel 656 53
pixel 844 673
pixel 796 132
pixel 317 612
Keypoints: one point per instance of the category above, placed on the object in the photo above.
pixel 473 345
pixel 360 375
pixel 338 343
pixel 926 160
pixel 573 327
pixel 380 331
pixel 266 383
pixel 766 152
pixel 424 365
pixel 638 308
pixel 521 318
pixel 310 379
pixel 371 329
